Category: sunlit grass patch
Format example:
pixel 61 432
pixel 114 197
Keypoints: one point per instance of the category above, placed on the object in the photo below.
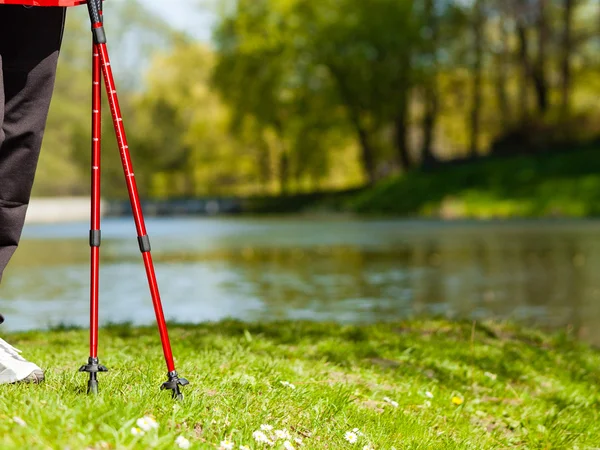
pixel 564 184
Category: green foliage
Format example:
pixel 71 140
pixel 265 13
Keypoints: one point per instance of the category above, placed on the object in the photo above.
pixel 295 97
pixel 65 160
pixel 69 118
pixel 182 138
pixel 268 76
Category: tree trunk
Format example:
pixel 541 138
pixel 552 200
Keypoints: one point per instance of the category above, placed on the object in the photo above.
pixel 367 153
pixel 540 81
pixel 265 174
pixel 430 97
pixel 401 132
pixel 284 168
pixel 525 69
pixel 567 49
pixel 502 76
pixel 284 171
pixel 429 122
pixel 284 159
pixel 478 24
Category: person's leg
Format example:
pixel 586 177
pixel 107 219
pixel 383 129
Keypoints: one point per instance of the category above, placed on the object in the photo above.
pixel 30 40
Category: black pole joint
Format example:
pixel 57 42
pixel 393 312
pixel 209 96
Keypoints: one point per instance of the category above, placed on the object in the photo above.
pixel 95 238
pixel 173 385
pixel 144 242
pixel 99 35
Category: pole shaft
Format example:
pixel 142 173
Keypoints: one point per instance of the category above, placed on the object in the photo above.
pixel 95 190
pixel 115 110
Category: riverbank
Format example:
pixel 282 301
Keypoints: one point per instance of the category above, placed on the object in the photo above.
pixel 563 184
pixel 432 384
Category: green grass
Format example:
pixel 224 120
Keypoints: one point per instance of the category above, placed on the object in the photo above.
pixel 563 184
pixel 520 388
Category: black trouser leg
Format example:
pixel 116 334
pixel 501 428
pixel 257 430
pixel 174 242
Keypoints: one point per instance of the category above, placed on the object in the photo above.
pixel 30 40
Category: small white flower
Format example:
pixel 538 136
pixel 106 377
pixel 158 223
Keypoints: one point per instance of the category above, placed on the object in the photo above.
pixel 226 445
pixel 288 384
pixel 288 445
pixel 19 421
pixel 351 437
pixel 259 436
pixel 182 442
pixel 147 423
pixel 266 427
pixel 428 394
pixel 390 401
pixel 137 432
pixel 491 376
pixel 282 434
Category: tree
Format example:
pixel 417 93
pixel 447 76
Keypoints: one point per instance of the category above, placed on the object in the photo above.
pixel 431 101
pixel 502 63
pixel 539 73
pixel 58 170
pixel 66 148
pixel 255 75
pixel 368 50
pixel 478 44
pixel 183 136
pixel 567 53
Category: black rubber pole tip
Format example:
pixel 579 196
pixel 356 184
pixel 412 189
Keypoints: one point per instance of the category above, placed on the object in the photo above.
pixel 92 387
pixel 173 385
pixel 1 318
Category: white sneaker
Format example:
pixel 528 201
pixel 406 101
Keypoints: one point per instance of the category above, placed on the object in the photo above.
pixel 14 368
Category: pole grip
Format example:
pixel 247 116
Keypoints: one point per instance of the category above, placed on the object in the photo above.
pixel 95 8
pixel 94 11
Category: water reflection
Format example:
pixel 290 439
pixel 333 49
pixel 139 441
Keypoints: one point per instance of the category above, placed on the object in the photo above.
pixel 341 270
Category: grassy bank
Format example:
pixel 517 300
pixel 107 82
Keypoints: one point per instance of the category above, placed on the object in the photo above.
pixel 416 385
pixel 563 184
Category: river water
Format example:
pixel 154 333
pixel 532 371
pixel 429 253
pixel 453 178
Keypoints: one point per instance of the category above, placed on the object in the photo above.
pixel 540 273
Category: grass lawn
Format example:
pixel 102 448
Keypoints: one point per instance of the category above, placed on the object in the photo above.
pixel 425 385
pixel 545 185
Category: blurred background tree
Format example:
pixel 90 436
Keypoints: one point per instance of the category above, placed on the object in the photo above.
pixel 300 96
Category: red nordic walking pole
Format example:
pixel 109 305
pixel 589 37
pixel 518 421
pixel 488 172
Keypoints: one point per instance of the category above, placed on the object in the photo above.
pixel 101 63
pixel 93 366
